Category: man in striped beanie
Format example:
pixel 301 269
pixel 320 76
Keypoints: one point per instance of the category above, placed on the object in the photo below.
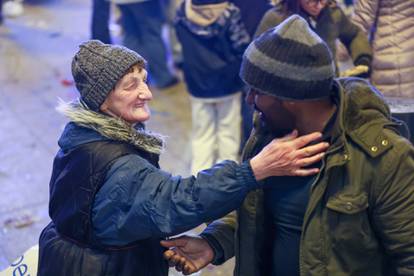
pixel 289 62
pixel 356 216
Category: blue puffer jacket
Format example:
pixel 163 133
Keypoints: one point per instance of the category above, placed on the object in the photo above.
pixel 138 201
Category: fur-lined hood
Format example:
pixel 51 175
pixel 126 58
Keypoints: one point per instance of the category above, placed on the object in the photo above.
pixel 104 127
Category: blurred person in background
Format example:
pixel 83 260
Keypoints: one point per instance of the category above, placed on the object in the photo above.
pixel 110 203
pixel 101 14
pixel 1 12
pixel 213 40
pixel 252 12
pixel 327 19
pixel 390 27
pixel 142 22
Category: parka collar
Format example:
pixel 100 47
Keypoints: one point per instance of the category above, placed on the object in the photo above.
pixel 111 127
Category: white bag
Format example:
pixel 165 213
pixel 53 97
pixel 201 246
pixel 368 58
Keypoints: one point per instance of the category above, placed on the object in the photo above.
pixel 25 265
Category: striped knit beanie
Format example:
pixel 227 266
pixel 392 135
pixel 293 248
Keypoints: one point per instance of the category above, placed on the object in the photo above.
pixel 290 62
pixel 97 67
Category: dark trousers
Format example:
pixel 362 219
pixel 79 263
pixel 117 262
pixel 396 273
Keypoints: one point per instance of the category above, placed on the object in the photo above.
pixel 1 11
pixel 142 24
pixel 100 21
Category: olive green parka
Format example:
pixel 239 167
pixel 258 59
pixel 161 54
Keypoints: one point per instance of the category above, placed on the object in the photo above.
pixel 360 215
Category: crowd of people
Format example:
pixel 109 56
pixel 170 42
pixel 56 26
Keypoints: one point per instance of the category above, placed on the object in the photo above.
pixel 324 184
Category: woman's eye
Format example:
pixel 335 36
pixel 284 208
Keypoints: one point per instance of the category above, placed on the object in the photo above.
pixel 131 86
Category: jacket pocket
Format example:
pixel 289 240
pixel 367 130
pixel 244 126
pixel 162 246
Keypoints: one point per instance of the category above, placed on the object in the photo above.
pixel 349 224
pixel 348 204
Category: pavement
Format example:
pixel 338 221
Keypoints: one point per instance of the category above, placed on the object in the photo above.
pixel 35 54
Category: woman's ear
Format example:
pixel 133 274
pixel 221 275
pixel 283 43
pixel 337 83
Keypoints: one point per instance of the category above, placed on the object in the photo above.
pixel 104 106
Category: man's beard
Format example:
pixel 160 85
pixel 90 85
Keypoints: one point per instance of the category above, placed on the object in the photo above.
pixel 276 130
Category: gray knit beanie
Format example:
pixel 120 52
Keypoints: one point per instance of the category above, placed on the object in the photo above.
pixel 97 67
pixel 290 62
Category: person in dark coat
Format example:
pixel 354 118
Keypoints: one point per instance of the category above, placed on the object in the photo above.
pixel 110 203
pixel 252 12
pixel 101 13
pixel 1 12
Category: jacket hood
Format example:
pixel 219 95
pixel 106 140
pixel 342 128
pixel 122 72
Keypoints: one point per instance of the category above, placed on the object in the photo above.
pixel 363 104
pixel 214 20
pixel 74 135
pixel 89 126
pixel 204 15
pixel 364 115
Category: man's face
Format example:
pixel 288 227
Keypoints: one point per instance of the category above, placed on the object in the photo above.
pixel 279 118
pixel 129 100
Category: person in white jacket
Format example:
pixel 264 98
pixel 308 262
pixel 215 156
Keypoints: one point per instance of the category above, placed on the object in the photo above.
pixel 390 25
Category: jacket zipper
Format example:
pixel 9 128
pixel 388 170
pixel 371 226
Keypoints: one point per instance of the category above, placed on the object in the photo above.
pixel 306 213
pixel 303 226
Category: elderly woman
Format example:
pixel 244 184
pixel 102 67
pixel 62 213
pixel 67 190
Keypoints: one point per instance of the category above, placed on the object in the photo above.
pixel 110 204
pixel 327 20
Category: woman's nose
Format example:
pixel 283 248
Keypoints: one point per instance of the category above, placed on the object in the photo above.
pixel 145 93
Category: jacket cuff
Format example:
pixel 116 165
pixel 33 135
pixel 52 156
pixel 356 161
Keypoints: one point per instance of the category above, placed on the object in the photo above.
pixel 245 175
pixel 217 249
pixel 364 60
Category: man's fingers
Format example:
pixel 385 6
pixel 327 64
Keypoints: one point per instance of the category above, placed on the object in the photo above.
pixel 312 150
pixel 180 264
pixel 176 242
pixel 306 139
pixel 189 269
pixel 168 254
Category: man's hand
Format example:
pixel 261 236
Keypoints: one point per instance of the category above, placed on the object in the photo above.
pixel 188 254
pixel 288 156
pixel 356 71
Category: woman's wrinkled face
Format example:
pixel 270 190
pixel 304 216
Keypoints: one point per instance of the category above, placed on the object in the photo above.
pixel 129 99
pixel 313 7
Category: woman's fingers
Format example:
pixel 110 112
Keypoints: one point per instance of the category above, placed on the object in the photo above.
pixel 305 172
pixel 289 136
pixel 306 139
pixel 312 150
